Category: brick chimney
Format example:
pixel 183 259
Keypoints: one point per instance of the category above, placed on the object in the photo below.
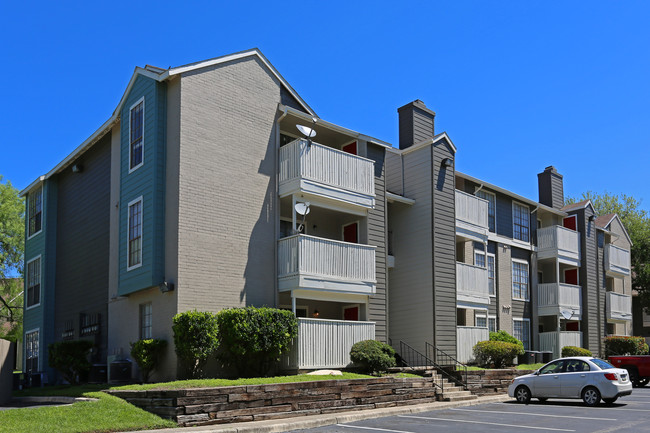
pixel 415 123
pixel 551 189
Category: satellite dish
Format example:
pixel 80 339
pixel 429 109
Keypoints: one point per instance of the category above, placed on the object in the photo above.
pixel 302 208
pixel 306 131
pixel 566 314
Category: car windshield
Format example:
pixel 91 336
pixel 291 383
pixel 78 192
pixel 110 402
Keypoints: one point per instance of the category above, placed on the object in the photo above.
pixel 604 365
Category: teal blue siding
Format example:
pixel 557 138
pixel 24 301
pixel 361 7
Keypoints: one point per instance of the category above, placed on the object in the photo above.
pixel 147 181
pixel 43 244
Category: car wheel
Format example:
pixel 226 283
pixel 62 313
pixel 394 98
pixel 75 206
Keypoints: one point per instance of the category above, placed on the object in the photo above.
pixel 634 377
pixel 643 382
pixel 610 400
pixel 591 396
pixel 522 394
pixel 542 399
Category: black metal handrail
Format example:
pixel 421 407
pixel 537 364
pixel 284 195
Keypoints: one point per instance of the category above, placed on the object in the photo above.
pixel 447 365
pixel 410 357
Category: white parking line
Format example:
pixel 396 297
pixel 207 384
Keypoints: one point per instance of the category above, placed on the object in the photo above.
pixel 535 414
pixel 481 422
pixel 372 428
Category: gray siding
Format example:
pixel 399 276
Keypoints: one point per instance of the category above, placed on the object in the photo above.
pixel 416 123
pixel 394 173
pixel 378 307
pixel 83 243
pixel 551 190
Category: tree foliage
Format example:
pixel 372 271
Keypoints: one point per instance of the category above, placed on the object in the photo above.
pixel 637 223
pixel 11 309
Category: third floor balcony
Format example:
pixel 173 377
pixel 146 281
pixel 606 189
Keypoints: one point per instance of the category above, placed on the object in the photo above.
pixel 471 217
pixel 472 285
pixel 617 261
pixel 559 242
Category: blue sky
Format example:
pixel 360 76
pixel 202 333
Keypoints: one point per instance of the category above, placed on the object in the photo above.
pixel 517 86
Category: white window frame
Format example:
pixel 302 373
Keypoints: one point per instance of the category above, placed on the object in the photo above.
pixel 525 328
pixel 487 266
pixel 40 282
pixel 516 203
pixel 29 201
pixel 495 207
pixel 480 253
pixel 38 357
pixel 496 325
pixel 128 225
pixel 527 298
pixel 480 314
pixel 141 100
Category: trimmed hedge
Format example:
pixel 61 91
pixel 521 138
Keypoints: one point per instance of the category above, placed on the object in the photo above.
pixel 575 351
pixel 146 354
pixel 196 338
pixel 495 353
pixel 625 346
pixel 253 339
pixel 373 357
pixel 70 358
pixel 507 338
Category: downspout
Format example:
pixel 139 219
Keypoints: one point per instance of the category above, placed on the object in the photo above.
pixel 277 216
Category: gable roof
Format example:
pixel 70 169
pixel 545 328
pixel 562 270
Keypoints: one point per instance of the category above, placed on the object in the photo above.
pixel 579 205
pixel 604 220
pixel 160 74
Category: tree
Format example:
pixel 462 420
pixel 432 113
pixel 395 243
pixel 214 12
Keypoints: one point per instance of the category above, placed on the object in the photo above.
pixel 12 248
pixel 637 223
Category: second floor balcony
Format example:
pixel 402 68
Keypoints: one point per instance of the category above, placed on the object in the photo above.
pixel 471 217
pixel 312 263
pixel 471 285
pixel 559 242
pixel 325 172
pixel 552 298
pixel 617 261
pixel 618 307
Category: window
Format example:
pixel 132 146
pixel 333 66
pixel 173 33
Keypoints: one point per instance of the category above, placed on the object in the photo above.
pixel 520 222
pixel 145 321
pixel 521 331
pixel 479 259
pixel 135 234
pixel 491 274
pixel 33 282
pixel 31 351
pixel 35 211
pixel 136 133
pixel 492 205
pixel 492 324
pixel 519 280
pixel 481 321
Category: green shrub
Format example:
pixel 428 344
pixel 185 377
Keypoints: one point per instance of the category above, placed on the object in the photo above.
pixel 625 346
pixel 196 338
pixel 70 358
pixel 147 354
pixel 507 338
pixel 372 356
pixel 253 339
pixel 575 351
pixel 495 353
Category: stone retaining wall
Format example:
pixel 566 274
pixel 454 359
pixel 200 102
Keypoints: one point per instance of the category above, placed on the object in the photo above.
pixel 483 382
pixel 201 406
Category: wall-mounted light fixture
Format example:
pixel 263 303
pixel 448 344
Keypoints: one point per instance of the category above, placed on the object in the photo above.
pixel 77 168
pixel 166 287
pixel 592 217
pixel 447 162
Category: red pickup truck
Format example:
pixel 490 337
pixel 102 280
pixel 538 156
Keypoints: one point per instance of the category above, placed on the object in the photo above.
pixel 637 365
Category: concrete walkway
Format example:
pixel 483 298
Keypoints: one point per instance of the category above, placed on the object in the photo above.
pixel 312 421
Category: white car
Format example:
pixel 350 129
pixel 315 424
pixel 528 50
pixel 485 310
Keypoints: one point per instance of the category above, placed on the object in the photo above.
pixel 577 377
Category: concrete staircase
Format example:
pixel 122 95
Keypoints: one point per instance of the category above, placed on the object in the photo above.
pixel 450 391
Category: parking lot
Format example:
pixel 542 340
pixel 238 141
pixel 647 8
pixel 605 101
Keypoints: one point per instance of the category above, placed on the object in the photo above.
pixel 629 414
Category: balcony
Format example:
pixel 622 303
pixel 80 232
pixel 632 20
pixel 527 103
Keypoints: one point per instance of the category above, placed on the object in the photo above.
pixel 471 217
pixel 552 298
pixel 308 262
pixel 466 339
pixel 327 173
pixel 471 285
pixel 617 261
pixel 618 307
pixel 548 341
pixel 559 242
pixel 323 343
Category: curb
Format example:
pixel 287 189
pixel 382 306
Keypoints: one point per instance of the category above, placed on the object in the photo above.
pixel 313 421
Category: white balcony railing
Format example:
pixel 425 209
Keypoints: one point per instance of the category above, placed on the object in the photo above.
pixel 558 241
pixel 471 216
pixel 325 264
pixel 618 306
pixel 327 172
pixel 552 298
pixel 617 261
pixel 466 339
pixel 323 343
pixel 548 341
pixel 472 284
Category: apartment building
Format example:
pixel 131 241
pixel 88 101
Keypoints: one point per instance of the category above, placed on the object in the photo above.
pixel 207 189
